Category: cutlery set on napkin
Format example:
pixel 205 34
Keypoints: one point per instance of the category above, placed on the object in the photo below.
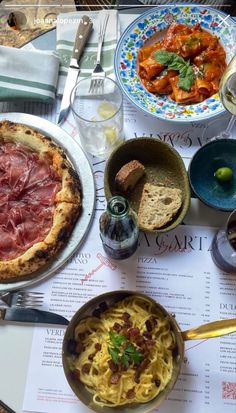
pixel 65 42
pixel 35 75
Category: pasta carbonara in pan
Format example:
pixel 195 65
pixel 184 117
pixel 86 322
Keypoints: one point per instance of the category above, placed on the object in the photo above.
pixel 125 354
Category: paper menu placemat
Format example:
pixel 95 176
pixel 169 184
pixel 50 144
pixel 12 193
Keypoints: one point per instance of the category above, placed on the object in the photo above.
pixel 169 269
pixel 197 388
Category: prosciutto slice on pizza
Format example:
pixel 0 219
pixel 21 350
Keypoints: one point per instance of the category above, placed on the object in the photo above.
pixel 40 200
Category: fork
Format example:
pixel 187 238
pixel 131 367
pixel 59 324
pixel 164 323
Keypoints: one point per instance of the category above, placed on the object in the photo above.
pixel 98 74
pixel 22 298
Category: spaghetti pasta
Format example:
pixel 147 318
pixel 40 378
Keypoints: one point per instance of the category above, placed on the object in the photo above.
pixel 125 355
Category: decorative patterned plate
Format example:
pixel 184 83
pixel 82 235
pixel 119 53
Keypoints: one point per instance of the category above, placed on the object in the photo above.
pixel 156 20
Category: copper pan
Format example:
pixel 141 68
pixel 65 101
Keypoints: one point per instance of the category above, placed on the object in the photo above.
pixel 214 329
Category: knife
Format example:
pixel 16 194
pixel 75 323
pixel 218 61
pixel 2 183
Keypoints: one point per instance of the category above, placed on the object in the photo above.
pixel 81 38
pixel 31 315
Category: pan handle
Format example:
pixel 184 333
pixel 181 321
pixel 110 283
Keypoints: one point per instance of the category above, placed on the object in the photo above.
pixel 210 330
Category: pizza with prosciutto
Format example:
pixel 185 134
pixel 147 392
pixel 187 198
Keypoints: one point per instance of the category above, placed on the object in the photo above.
pixel 40 200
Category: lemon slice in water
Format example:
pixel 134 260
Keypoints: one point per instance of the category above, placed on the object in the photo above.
pixel 106 110
pixel 111 134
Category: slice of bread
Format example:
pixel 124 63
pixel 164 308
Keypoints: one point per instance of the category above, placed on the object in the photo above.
pixel 157 206
pixel 128 176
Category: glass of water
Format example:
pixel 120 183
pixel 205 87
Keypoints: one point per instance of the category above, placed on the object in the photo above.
pixel 98 115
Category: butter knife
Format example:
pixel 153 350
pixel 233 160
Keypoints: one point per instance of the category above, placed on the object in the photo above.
pixel 82 35
pixel 31 315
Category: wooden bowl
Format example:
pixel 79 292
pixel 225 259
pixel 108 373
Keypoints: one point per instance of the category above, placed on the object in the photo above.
pixel 163 166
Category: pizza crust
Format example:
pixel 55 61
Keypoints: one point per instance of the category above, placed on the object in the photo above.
pixel 67 204
pixel 22 267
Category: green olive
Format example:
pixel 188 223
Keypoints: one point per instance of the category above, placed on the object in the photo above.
pixel 223 174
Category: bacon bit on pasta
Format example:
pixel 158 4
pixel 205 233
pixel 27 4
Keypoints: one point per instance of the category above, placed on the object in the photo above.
pixel 86 368
pixel 140 369
pixel 112 366
pixel 147 334
pixel 117 327
pixel 140 341
pixel 151 323
pixel 130 393
pixel 98 346
pixel 137 376
pixel 127 324
pixel 148 325
pixel 125 316
pixel 114 379
pixel 133 331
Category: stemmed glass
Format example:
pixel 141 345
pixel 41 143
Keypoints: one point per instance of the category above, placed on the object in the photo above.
pixel 227 92
pixel 222 126
pixel 223 249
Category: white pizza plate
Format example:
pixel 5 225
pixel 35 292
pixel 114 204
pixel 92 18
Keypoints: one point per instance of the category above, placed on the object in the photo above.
pixel 81 164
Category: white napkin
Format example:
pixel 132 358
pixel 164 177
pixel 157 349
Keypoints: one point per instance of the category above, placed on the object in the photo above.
pixel 28 75
pixel 67 24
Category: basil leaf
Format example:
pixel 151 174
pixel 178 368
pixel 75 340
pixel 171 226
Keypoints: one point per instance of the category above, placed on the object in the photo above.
pixel 163 57
pixel 185 83
pixel 175 66
pixel 183 71
pixel 176 62
pixel 190 72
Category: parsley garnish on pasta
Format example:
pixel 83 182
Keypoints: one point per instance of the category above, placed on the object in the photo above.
pixel 123 351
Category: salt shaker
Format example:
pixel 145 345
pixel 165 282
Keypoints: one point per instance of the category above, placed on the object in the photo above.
pixel 119 229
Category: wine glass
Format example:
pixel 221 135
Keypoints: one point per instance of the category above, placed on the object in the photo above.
pixel 227 92
pixel 223 248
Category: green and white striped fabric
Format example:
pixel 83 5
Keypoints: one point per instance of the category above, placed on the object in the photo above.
pixel 28 75
pixel 67 24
